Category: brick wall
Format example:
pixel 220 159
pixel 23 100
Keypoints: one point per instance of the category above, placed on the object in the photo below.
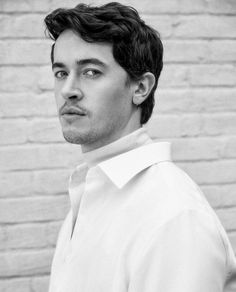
pixel 195 109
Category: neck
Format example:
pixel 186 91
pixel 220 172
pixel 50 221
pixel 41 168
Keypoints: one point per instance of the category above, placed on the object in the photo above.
pixel 132 125
pixel 124 144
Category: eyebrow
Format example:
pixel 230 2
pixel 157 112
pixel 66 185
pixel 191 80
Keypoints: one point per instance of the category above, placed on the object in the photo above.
pixel 81 62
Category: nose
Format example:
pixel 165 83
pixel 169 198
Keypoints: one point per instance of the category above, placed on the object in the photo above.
pixel 71 88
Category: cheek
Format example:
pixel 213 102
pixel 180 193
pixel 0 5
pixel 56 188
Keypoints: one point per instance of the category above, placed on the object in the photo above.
pixel 113 106
pixel 58 98
pixel 121 102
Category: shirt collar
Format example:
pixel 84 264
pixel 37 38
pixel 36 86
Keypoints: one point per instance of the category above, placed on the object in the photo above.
pixel 122 168
pixel 129 142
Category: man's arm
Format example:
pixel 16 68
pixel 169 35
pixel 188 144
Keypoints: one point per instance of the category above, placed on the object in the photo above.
pixel 186 254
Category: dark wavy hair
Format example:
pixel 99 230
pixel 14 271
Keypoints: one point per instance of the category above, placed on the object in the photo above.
pixel 137 47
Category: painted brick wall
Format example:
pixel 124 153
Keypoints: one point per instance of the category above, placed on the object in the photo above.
pixel 195 108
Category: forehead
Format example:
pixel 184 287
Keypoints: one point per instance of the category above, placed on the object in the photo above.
pixel 70 46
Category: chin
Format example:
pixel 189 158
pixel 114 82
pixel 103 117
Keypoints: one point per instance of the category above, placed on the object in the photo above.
pixel 78 137
pixel 73 137
pixel 87 137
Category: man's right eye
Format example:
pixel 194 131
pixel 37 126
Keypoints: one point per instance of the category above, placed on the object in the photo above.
pixel 60 74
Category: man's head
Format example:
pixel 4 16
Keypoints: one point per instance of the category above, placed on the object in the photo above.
pixel 115 36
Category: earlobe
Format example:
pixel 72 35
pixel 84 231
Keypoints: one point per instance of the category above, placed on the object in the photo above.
pixel 144 87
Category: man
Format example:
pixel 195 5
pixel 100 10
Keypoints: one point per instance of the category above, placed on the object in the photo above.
pixel 137 222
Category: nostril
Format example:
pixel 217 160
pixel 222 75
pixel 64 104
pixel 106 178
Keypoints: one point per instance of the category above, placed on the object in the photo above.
pixel 70 96
pixel 71 93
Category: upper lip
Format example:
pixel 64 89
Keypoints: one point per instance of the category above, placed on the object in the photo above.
pixel 72 110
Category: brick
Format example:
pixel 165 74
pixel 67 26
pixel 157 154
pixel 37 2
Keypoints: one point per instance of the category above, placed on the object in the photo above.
pixel 15 284
pixel 219 124
pixel 180 100
pixel 51 181
pixel 186 6
pixel 196 148
pixel 192 125
pixel 3 236
pixel 227 217
pixel 229 150
pixel 33 209
pixel 170 126
pixel 52 232
pixel 204 26
pixel 199 51
pixel 221 195
pixel 194 51
pixel 24 6
pixel 33 235
pixel 45 81
pixel 31 183
pixel 45 130
pixel 25 78
pixel 211 172
pixel 34 104
pixel 24 236
pixel 219 7
pixel 175 7
pixel 22 185
pixel 25 263
pixel 213 75
pixel 39 157
pixel 13 132
pixel 204 148
pixel 22 26
pixel 18 79
pixel 222 51
pixel 22 52
pixel 40 284
pixel 174 76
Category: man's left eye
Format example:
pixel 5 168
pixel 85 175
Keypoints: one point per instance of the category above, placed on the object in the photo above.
pixel 92 73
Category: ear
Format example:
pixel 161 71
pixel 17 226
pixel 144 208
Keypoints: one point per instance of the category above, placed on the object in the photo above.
pixel 143 87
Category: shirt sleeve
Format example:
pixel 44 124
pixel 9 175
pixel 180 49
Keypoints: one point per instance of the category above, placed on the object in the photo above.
pixel 186 254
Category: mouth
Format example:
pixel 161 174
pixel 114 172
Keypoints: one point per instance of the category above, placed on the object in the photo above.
pixel 67 112
pixel 72 114
pixel 72 117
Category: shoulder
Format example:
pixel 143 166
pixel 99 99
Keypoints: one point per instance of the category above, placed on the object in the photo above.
pixel 172 189
pixel 175 204
pixel 169 196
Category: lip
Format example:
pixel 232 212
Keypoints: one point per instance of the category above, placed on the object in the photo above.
pixel 71 117
pixel 72 111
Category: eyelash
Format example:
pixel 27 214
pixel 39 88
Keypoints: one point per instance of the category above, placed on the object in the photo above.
pixel 57 74
pixel 94 75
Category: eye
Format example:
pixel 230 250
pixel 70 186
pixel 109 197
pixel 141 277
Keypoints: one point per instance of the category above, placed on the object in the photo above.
pixel 91 73
pixel 60 74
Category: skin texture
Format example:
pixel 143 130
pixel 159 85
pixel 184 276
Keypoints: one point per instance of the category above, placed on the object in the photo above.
pixel 90 81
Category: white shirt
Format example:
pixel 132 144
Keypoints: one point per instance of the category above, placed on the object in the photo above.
pixel 138 223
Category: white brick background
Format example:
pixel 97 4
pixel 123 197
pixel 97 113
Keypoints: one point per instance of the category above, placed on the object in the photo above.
pixel 195 108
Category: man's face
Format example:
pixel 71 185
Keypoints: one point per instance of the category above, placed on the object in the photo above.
pixel 93 96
